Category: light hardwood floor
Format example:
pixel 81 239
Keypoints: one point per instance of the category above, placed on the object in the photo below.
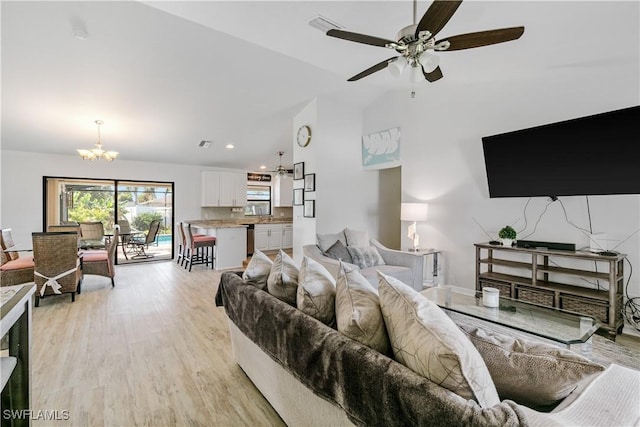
pixel 154 350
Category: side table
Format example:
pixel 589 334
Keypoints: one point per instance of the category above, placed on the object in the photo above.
pixel 429 270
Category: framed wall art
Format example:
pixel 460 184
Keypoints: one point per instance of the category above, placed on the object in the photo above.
pixel 298 197
pixel 298 170
pixel 310 182
pixel 309 208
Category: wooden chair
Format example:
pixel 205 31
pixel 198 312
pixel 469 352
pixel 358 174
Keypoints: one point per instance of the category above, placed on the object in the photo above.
pixel 56 264
pixel 14 268
pixel 101 262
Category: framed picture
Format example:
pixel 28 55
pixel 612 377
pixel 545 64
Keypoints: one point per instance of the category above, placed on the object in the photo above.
pixel 298 197
pixel 310 182
pixel 298 170
pixel 309 208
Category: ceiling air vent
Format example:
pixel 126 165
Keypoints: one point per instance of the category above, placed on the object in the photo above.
pixel 204 144
pixel 323 24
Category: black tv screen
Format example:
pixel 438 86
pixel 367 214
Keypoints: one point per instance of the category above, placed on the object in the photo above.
pixel 592 155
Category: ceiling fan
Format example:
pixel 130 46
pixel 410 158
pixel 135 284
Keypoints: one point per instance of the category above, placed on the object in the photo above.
pixel 281 170
pixel 415 41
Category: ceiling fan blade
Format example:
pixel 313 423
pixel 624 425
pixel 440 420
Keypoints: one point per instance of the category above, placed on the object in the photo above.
pixel 483 38
pixel 434 75
pixel 379 66
pixel 359 38
pixel 437 16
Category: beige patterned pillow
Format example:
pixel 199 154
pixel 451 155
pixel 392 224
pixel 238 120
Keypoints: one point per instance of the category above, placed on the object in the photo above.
pixel 283 278
pixel 258 270
pixel 365 257
pixel 531 373
pixel 317 292
pixel 358 313
pixel 425 339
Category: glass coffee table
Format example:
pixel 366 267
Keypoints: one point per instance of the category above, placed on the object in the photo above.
pixel 553 324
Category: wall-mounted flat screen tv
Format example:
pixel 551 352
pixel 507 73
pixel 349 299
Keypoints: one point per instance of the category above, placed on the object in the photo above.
pixel 592 155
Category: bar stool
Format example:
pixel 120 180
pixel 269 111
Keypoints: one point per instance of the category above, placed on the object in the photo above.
pixel 197 248
pixel 182 244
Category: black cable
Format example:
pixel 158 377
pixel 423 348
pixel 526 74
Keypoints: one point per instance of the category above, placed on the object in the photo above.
pixel 595 263
pixel 538 221
pixel 524 213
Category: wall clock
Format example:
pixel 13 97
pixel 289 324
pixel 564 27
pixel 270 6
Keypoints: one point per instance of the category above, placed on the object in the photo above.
pixel 304 136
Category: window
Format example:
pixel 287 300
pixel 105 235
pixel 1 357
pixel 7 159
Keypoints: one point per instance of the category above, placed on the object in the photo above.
pixel 258 200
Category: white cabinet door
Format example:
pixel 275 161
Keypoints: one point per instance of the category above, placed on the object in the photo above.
pixel 275 236
pixel 283 191
pixel 227 188
pixel 210 188
pixel 261 237
pixel 287 236
pixel 240 190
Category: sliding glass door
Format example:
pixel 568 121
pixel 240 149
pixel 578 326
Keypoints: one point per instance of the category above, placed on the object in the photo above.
pixel 135 204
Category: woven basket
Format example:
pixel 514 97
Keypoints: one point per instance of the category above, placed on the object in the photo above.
pixel 535 296
pixel 503 287
pixel 594 308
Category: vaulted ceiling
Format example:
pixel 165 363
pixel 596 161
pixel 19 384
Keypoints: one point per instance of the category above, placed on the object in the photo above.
pixel 165 75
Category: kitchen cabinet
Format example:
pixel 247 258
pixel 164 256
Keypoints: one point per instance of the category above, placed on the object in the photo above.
pixel 224 189
pixel 287 236
pixel 269 237
pixel 231 244
pixel 283 191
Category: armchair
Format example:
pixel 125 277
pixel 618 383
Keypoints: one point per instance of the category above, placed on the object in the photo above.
pixel 404 266
pixel 101 262
pixel 14 268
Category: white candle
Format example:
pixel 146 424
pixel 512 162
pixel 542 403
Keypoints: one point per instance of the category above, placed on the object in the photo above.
pixel 490 297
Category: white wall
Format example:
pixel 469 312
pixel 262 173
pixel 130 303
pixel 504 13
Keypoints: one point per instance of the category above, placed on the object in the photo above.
pixel 443 163
pixel 22 172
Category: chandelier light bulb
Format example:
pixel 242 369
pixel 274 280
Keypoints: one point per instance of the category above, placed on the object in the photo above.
pixel 429 61
pixel 98 152
pixel 397 67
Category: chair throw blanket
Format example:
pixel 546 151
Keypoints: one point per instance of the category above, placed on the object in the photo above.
pixel 53 281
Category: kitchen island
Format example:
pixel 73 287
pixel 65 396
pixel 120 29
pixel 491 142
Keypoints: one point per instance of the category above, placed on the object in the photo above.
pixel 231 241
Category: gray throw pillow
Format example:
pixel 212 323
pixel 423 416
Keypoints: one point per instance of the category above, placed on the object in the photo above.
pixel 283 278
pixel 326 240
pixel 339 251
pixel 357 238
pixel 258 270
pixel 358 314
pixel 531 373
pixel 365 257
pixel 317 292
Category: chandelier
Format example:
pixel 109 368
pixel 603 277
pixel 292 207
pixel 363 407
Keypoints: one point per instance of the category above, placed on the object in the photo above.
pixel 98 152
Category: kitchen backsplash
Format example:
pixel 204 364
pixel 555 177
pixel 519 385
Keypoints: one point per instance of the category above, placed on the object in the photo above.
pixel 227 213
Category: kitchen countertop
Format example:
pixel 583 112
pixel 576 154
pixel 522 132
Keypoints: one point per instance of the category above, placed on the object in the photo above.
pixel 236 222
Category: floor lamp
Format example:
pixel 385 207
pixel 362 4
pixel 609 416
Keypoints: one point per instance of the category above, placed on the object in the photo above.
pixel 413 212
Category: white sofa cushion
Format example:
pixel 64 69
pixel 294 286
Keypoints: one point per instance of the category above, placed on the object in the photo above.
pixel 426 340
pixel 258 269
pixel 358 314
pixel 357 238
pixel 283 278
pixel 325 241
pixel 316 292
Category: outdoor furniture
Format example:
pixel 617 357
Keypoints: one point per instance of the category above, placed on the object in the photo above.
pixel 138 245
pixel 56 264
pixel 14 269
pixel 196 249
pixel 92 230
pixel 101 262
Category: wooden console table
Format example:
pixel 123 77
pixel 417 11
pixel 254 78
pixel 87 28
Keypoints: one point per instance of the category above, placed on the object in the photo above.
pixel 15 322
pixel 534 275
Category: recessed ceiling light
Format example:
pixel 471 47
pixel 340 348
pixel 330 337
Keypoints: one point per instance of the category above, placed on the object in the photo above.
pixel 204 144
pixel 323 24
pixel 229 146
pixel 263 167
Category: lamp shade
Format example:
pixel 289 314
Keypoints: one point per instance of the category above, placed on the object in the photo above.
pixel 413 211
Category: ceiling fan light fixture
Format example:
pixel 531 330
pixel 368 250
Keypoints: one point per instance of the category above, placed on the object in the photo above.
pixel 416 73
pixel 397 67
pixel 429 61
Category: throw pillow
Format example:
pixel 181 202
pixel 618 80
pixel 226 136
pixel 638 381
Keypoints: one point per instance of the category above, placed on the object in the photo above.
pixel 358 313
pixel 283 278
pixel 531 373
pixel 258 270
pixel 339 251
pixel 425 339
pixel 365 257
pixel 317 292
pixel 326 240
pixel 357 238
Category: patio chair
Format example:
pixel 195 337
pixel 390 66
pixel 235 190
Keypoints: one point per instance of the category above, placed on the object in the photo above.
pixel 101 262
pixel 14 268
pixel 92 230
pixel 56 264
pixel 138 245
